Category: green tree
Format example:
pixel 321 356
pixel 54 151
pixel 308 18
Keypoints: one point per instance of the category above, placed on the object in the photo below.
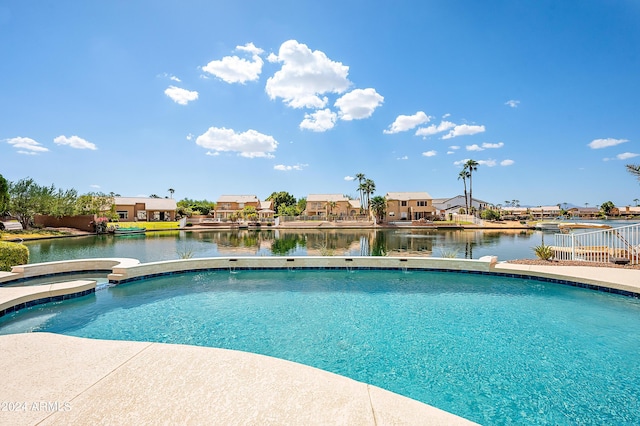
pixel 96 203
pixel 367 187
pixel 196 206
pixel 379 207
pixel 361 178
pixel 281 198
pixel 4 196
pixel 606 208
pixel 464 175
pixel 62 203
pixel 249 213
pixel 171 191
pixel 472 166
pixel 27 198
pixel 490 214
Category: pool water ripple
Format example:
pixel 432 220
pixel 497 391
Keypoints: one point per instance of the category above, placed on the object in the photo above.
pixel 491 349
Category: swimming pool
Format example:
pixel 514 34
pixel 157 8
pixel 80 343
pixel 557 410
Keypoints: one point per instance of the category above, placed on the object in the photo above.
pixel 491 349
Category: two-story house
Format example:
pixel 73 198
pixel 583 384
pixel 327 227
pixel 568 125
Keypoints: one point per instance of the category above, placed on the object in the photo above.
pixel 331 205
pixel 229 205
pixel 409 206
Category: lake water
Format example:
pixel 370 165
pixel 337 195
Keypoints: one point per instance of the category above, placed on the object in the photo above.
pixel 169 245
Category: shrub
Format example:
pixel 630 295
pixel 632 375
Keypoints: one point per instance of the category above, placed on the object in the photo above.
pixel 544 252
pixel 12 254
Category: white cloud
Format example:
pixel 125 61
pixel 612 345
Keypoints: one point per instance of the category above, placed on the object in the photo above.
pixel 433 129
pixel 488 163
pixel 212 154
pixel 626 155
pixel 95 186
pixel 429 153
pixel 447 115
pixel 359 104
pixel 454 147
pixel 170 77
pixel 305 75
pixel 407 122
pixel 181 96
pixel 74 142
pixel 284 168
pixel 27 146
pixel 319 121
pixel 492 145
pixel 605 143
pixel 474 147
pixel 512 103
pixel 349 178
pixel 404 157
pixel 250 144
pixel 233 69
pixel 190 136
pixel 464 130
pixel 507 162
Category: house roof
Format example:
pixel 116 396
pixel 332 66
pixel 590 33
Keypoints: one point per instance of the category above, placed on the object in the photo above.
pixel 406 196
pixel 266 205
pixel 238 199
pixel 150 203
pixel 326 197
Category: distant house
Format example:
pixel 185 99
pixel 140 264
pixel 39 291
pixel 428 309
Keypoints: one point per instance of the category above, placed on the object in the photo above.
pixel 540 212
pixel 229 205
pixel 145 209
pixel 409 206
pixel 629 211
pixel 585 212
pixel 444 206
pixel 331 204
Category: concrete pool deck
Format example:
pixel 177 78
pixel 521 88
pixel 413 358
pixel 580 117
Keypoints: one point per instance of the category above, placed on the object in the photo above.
pixel 56 379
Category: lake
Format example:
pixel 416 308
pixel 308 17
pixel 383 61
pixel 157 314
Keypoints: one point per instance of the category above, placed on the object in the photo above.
pixel 169 245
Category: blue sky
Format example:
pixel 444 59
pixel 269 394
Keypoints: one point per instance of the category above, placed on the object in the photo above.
pixel 251 97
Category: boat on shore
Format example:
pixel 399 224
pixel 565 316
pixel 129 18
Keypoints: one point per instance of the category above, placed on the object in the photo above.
pixel 567 227
pixel 128 230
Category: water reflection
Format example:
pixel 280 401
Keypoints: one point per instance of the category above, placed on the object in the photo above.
pixel 168 245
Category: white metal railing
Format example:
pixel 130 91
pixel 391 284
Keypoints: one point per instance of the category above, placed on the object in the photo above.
pixel 600 246
pixel 461 218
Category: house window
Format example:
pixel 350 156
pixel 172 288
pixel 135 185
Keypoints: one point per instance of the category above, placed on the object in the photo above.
pixel 142 215
pixel 403 203
pixel 123 215
pixel 156 215
pixel 422 203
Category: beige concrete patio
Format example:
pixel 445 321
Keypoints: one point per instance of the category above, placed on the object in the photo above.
pixel 55 379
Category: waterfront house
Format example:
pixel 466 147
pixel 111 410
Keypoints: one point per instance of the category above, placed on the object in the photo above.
pixel 145 209
pixel 444 206
pixel 331 204
pixel 229 205
pixel 409 206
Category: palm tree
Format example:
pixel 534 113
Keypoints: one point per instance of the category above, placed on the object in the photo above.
pixel 472 166
pixel 360 177
pixel 464 174
pixel 171 191
pixel 634 169
pixel 369 187
pixel 379 207
pixel 636 201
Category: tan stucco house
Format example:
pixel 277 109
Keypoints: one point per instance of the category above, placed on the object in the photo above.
pixel 228 205
pixel 145 209
pixel 409 206
pixel 331 204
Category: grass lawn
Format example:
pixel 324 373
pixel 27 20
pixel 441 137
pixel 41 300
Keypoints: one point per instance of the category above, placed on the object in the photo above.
pixel 31 234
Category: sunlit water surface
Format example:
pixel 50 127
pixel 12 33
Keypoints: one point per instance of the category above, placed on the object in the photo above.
pixel 492 349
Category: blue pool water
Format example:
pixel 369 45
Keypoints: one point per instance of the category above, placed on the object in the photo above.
pixel 495 350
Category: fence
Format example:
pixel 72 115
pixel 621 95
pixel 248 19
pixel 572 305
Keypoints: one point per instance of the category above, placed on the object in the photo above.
pixel 615 244
pixel 466 218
